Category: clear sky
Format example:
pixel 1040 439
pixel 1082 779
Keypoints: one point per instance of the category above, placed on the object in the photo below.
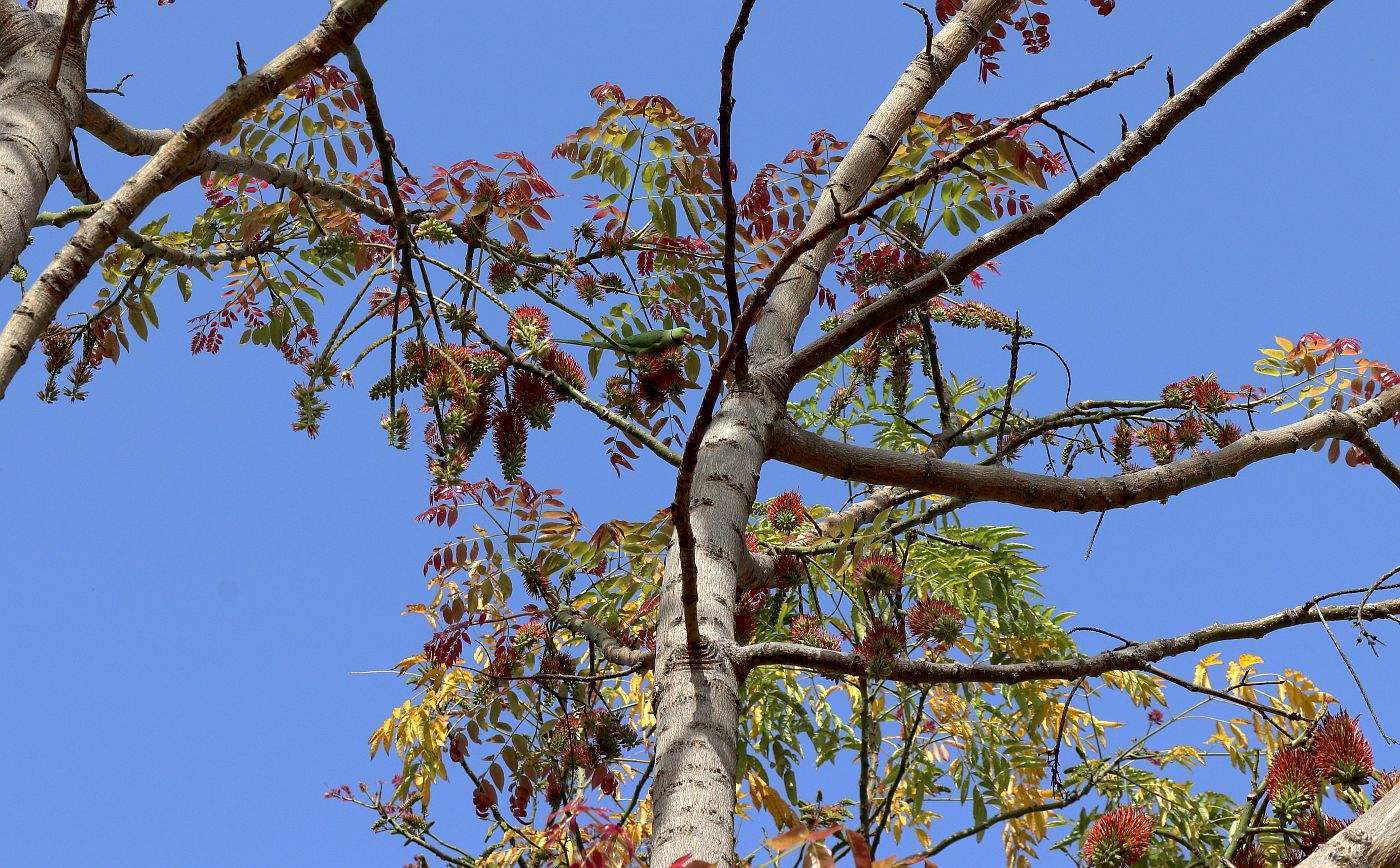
pixel 189 585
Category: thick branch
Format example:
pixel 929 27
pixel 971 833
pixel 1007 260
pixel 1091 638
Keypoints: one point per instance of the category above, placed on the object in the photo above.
pixel 1117 163
pixel 1138 656
pixel 37 120
pixel 1370 841
pixel 78 185
pixel 801 448
pixel 135 142
pixel 41 303
pixel 594 632
pixel 693 791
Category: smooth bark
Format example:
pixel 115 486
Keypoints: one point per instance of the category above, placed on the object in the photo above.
pixel 976 482
pixel 1371 841
pixel 36 121
pixel 167 167
pixel 696 694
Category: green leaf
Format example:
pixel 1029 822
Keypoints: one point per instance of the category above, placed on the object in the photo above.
pixel 304 309
pixel 136 320
pixel 185 284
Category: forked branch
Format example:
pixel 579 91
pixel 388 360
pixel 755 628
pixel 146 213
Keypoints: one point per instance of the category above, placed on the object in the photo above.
pixel 42 301
pixel 975 482
pixel 1113 166
pixel 1134 657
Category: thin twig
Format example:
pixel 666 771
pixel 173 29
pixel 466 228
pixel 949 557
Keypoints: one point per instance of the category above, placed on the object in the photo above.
pixel 1375 586
pixel 1065 139
pixel 115 89
pixel 1010 381
pixel 1354 677
pixel 1069 377
pixel 685 477
pixel 928 28
pixel 1267 711
pixel 1089 550
pixel 1055 782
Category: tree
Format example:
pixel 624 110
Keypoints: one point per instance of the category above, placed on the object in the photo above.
pixel 913 620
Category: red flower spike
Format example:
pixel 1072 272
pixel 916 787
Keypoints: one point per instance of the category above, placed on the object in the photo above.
pixel 566 368
pixel 936 621
pixel 1208 397
pixel 485 365
pixel 1160 442
pixel 788 570
pixel 786 512
pixel 879 573
pixel 1188 432
pixel 746 614
pixel 529 327
pixel 621 396
pixel 1318 829
pixel 535 398
pixel 884 640
pixel 508 436
pixel 661 375
pixel 1342 752
pixel 809 630
pixel 1123 439
pixel 1226 434
pixel 1385 782
pixel 1293 782
pixel 1118 838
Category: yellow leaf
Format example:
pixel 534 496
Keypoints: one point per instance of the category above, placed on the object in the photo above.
pixel 1202 677
pixel 1248 660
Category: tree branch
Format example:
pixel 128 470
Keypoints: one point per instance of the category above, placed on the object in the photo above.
pixel 1135 657
pixel 1117 163
pixel 78 185
pixel 610 648
pixel 135 142
pixel 685 477
pixel 1370 841
pixel 41 303
pixel 802 448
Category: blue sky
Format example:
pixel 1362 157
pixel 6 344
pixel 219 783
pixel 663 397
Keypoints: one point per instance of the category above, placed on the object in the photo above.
pixel 190 584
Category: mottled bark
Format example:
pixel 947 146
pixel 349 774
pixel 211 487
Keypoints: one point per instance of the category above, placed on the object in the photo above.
pixel 170 164
pixel 36 121
pixel 1371 841
pixel 696 698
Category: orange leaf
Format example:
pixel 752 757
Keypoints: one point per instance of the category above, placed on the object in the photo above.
pixel 860 850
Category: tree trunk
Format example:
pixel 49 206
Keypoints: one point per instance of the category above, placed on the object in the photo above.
pixel 696 698
pixel 36 121
pixel 1371 841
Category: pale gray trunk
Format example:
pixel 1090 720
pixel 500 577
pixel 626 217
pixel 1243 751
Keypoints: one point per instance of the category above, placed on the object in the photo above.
pixel 1371 841
pixel 696 700
pixel 36 121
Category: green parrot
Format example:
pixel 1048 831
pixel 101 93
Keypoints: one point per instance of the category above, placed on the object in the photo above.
pixel 654 341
